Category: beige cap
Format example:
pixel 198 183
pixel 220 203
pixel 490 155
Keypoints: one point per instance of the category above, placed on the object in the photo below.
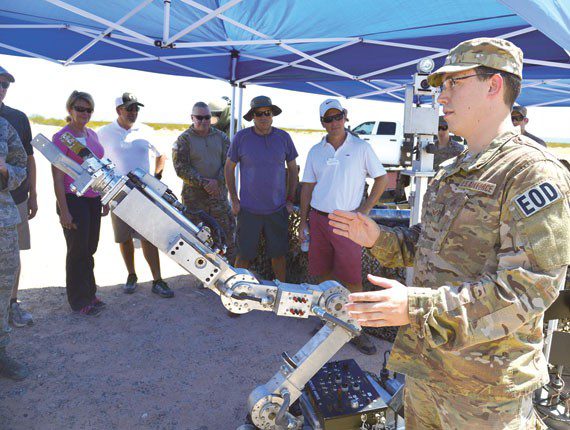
pixel 497 54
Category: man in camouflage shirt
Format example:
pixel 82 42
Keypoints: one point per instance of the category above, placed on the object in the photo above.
pixel 446 147
pixel 13 162
pixel 199 155
pixel 489 257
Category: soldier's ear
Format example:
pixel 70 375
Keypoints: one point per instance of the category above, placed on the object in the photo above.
pixel 496 84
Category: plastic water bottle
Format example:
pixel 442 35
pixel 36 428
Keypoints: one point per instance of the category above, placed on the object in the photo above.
pixel 305 243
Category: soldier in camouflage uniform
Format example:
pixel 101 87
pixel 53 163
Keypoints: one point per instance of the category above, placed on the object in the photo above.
pixel 489 257
pixel 13 161
pixel 446 147
pixel 199 155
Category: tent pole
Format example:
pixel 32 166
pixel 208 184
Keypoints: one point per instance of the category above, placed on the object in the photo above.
pixel 235 55
pixel 166 22
pixel 233 111
pixel 240 106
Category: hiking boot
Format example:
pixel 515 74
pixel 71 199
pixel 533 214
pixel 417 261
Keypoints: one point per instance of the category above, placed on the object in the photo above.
pixel 89 310
pixel 98 303
pixel 131 284
pixel 364 344
pixel 19 317
pixel 162 289
pixel 10 368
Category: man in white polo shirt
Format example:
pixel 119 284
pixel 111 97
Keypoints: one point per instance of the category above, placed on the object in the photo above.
pixel 127 146
pixel 335 173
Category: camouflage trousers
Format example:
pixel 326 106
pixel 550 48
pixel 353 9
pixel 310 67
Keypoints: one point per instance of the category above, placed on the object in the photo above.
pixel 430 408
pixel 9 265
pixel 221 212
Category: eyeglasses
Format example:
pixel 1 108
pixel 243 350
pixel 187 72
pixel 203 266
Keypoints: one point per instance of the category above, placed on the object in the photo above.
pixel 517 118
pixel 442 128
pixel 453 81
pixel 4 85
pixel 82 109
pixel 202 117
pixel 331 118
pixel 132 108
pixel 263 113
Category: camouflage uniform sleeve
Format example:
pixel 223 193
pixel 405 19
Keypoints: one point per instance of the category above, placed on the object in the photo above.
pixel 16 158
pixel 182 164
pixel 396 247
pixel 531 267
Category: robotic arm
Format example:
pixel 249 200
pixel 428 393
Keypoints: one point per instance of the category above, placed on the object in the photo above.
pixel 148 206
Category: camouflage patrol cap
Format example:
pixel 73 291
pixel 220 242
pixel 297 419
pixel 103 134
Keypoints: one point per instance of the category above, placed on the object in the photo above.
pixel 497 54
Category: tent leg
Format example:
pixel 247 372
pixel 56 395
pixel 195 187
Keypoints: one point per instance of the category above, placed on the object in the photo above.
pixel 233 113
pixel 240 107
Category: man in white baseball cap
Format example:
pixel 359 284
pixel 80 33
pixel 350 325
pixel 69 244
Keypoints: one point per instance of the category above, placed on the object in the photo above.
pixel 334 178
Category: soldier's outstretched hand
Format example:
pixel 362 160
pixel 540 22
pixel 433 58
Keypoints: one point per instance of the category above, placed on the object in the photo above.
pixel 357 227
pixel 384 308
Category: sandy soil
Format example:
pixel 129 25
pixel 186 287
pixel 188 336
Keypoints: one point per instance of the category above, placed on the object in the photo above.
pixel 145 362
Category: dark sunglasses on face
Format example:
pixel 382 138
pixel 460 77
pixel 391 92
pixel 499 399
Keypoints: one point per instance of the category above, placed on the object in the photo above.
pixel 329 119
pixel 4 85
pixel 82 109
pixel 132 108
pixel 263 113
pixel 442 128
pixel 202 117
pixel 517 118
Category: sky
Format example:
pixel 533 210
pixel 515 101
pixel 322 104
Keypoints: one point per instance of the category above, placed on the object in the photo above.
pixel 42 88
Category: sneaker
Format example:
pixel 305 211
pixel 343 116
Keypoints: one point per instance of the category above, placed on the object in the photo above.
pixel 19 317
pixel 9 368
pixel 89 310
pixel 98 303
pixel 364 344
pixel 162 289
pixel 131 284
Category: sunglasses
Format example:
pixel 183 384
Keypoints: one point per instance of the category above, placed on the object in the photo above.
pixel 4 85
pixel 202 117
pixel 331 118
pixel 132 108
pixel 82 109
pixel 263 113
pixel 442 128
pixel 517 118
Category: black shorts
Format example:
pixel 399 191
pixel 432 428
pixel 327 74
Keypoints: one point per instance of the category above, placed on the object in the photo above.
pixel 275 228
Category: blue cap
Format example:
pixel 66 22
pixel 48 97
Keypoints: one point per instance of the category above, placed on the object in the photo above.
pixel 3 72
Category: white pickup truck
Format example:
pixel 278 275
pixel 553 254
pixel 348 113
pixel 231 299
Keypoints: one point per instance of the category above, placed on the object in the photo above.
pixel 386 138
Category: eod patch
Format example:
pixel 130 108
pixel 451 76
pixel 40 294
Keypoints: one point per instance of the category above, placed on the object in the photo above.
pixel 537 198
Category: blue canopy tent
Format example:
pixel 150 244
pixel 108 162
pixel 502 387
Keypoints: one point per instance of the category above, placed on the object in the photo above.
pixel 365 49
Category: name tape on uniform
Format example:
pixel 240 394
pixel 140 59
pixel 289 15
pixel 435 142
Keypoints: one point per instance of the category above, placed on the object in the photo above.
pixel 537 198
pixel 484 187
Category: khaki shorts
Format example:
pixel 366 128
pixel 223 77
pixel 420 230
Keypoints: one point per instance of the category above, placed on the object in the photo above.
pixel 122 231
pixel 23 228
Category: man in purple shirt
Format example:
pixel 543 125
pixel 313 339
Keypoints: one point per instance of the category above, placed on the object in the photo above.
pixel 265 154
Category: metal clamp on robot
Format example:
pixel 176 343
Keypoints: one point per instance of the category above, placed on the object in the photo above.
pixel 149 207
